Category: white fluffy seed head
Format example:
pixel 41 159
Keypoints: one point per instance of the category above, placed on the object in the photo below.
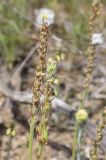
pixel 97 38
pixel 44 15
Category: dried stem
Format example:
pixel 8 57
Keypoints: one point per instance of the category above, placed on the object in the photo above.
pixel 99 136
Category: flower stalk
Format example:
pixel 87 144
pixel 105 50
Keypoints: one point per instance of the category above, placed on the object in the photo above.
pixel 38 83
pixel 95 11
pixel 43 89
pixel 99 136
pixel 42 128
pixel 88 75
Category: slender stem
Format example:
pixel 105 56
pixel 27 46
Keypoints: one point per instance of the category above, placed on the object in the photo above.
pixel 31 134
pixel 79 142
pixel 75 141
pixel 39 153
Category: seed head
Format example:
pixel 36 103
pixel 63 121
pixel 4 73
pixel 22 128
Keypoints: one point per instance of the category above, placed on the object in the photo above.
pixel 81 116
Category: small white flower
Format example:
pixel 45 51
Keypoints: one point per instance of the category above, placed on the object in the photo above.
pixel 97 38
pixel 44 14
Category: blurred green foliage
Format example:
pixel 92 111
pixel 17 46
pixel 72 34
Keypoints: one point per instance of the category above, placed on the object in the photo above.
pixel 12 28
pixel 79 15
